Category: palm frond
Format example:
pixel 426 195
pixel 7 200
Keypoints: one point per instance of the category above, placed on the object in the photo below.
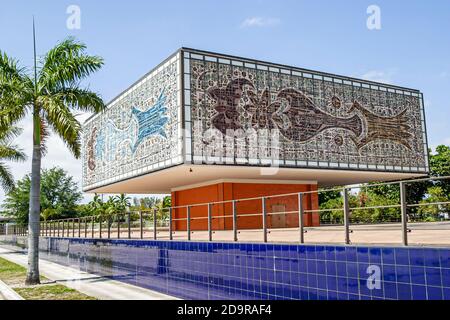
pixel 81 99
pixel 8 133
pixel 63 123
pixel 6 178
pixel 67 64
pixel 12 153
pixel 16 90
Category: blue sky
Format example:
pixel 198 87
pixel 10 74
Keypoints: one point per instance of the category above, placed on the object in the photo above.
pixel 411 49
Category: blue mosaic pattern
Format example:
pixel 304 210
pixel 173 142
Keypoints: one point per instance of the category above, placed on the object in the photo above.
pixel 192 270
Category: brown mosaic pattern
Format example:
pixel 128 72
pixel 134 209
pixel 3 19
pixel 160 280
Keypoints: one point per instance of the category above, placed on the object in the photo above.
pixel 318 120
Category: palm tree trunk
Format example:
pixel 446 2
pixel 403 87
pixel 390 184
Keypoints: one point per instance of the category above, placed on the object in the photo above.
pixel 34 217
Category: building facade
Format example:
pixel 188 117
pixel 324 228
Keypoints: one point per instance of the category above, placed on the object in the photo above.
pixel 208 127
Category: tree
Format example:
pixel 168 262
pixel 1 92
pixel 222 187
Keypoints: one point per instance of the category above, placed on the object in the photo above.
pixel 60 195
pixel 8 152
pixel 440 166
pixel 51 95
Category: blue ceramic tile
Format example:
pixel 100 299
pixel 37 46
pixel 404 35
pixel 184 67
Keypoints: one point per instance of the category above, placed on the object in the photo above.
pixel 402 256
pixel 362 254
pixel 388 255
pixel 390 290
pixel 433 277
pixel 419 292
pixel 404 291
pixel 434 293
pixel 417 275
pixel 200 270
pixel 416 257
pixel 432 258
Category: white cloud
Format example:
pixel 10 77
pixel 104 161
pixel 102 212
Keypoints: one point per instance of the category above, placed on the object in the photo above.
pixel 252 22
pixel 379 76
pixel 444 74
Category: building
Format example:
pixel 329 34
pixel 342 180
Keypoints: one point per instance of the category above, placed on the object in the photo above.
pixel 209 127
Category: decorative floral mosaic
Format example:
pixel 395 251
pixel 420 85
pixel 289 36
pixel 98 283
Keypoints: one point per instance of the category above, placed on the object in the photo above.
pixel 139 129
pixel 319 120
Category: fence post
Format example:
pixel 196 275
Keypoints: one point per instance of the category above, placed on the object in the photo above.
pixel 100 231
pixel 59 222
pixel 85 226
pixel 141 227
pixel 73 228
pixel 154 224
pixel 63 229
pixel 209 222
pixel 188 225
pixel 235 235
pixel 301 222
pixel 170 224
pixel 79 227
pixel 264 218
pixel 404 213
pixel 129 225
pixel 346 217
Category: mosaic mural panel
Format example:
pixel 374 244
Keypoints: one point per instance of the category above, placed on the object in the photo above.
pixel 138 132
pixel 321 120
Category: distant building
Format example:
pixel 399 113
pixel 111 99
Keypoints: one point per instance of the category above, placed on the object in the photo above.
pixel 211 127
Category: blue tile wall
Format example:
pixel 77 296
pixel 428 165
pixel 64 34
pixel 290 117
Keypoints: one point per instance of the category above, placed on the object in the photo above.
pixel 200 270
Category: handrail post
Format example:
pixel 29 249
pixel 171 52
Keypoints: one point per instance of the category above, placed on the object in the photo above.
pixel 301 222
pixel 346 217
pixel 209 222
pixel 235 235
pixel 264 218
pixel 188 225
pixel 109 227
pixel 118 226
pixel 129 225
pixel 100 231
pixel 404 213
pixel 141 227
pixel 154 223
pixel 170 224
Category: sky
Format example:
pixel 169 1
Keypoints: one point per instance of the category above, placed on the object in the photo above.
pixel 410 46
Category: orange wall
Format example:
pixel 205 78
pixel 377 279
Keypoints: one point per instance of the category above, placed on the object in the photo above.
pixel 234 191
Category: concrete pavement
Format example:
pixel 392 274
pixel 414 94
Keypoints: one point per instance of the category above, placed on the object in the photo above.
pixel 90 284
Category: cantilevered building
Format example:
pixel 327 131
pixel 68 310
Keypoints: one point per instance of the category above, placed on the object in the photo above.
pixel 209 127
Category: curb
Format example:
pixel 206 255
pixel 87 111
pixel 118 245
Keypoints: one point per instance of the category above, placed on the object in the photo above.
pixel 8 293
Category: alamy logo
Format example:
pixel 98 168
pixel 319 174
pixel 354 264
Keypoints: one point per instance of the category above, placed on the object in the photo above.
pixel 73 22
pixel 374 279
pixel 374 19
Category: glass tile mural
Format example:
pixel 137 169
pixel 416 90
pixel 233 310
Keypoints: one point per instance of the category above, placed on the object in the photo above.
pixel 139 131
pixel 321 120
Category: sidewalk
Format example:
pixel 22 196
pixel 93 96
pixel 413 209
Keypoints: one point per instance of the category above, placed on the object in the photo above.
pixel 90 284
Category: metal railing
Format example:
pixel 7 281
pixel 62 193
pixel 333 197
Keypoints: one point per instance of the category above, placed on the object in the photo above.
pixel 299 220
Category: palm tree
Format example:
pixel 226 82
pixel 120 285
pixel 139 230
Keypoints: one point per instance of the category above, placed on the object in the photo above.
pixel 51 95
pixel 8 152
pixel 123 202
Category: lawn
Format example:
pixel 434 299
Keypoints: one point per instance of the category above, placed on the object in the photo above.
pixel 14 276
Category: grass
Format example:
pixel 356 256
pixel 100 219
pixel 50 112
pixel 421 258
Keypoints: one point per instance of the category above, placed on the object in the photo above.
pixel 14 276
